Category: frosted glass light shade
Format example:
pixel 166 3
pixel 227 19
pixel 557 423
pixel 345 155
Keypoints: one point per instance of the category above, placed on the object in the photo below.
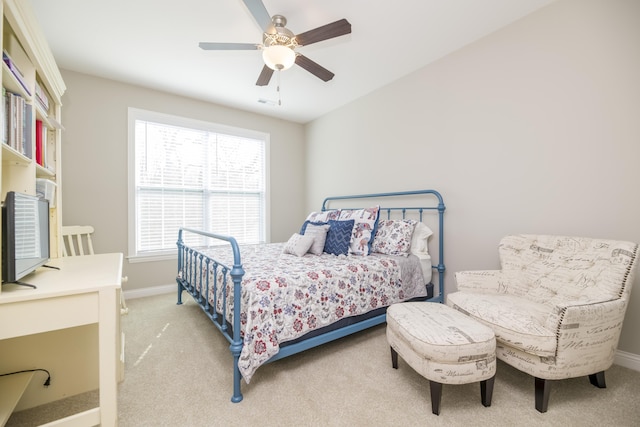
pixel 278 57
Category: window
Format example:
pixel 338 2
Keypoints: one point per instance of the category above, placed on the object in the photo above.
pixel 187 173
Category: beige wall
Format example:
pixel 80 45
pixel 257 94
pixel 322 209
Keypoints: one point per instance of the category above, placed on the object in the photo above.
pixel 94 169
pixel 533 129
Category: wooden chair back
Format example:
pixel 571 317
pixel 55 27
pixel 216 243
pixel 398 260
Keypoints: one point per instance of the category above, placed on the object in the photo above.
pixel 77 240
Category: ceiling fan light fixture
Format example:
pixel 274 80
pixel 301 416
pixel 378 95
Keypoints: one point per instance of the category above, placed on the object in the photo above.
pixel 279 44
pixel 278 57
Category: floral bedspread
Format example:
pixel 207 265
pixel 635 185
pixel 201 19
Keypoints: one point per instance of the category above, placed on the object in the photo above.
pixel 284 296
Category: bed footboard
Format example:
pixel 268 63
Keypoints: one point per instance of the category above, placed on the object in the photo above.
pixel 195 271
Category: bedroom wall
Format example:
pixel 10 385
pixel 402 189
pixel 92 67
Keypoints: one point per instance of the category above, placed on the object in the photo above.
pixel 94 171
pixel 532 129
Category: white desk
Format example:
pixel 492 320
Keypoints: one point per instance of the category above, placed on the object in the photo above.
pixel 82 292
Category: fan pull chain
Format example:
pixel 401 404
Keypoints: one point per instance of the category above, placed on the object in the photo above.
pixel 278 89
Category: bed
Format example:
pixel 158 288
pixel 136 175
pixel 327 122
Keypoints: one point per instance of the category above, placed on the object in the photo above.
pixel 335 276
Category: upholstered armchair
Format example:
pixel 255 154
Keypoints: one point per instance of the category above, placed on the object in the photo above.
pixel 556 306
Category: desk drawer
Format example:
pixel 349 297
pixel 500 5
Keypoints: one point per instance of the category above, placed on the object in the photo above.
pixel 48 314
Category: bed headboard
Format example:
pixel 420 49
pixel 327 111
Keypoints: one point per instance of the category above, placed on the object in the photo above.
pixel 423 205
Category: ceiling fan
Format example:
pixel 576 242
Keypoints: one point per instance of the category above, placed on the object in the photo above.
pixel 279 43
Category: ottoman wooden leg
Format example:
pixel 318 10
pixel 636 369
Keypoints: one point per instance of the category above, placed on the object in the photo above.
pixel 436 396
pixel 394 358
pixel 597 379
pixel 543 389
pixel 486 390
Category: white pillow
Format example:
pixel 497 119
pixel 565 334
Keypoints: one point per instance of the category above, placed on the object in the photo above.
pixel 319 234
pixel 420 239
pixel 298 245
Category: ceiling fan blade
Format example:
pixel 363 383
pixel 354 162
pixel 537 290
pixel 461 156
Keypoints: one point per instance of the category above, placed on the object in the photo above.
pixel 314 68
pixel 265 76
pixel 259 12
pixel 228 46
pixel 329 31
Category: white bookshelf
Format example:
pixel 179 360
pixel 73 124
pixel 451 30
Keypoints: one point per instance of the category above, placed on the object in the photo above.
pixel 31 56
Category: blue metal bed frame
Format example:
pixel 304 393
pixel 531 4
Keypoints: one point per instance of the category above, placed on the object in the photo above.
pixel 194 281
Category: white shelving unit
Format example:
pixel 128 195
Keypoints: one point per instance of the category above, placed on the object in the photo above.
pixel 23 42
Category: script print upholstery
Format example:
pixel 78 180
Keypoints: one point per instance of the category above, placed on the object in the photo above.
pixel 440 343
pixel 284 296
pixel 556 306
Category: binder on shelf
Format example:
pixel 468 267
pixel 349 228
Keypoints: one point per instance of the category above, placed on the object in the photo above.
pixel 17 123
pixel 11 119
pixel 15 71
pixel 27 129
pixel 45 158
pixel 5 116
pixel 39 147
pixel 42 98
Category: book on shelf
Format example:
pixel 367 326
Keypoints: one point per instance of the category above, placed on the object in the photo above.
pixel 15 71
pixel 41 97
pixel 16 121
pixel 27 129
pixel 39 146
pixel 5 124
pixel 45 150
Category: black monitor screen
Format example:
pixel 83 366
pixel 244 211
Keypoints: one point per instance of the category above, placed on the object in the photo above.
pixel 25 235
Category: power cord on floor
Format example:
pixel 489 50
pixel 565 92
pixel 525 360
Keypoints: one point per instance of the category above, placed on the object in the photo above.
pixel 47 382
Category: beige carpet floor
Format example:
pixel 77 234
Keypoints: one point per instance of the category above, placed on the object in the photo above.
pixel 178 373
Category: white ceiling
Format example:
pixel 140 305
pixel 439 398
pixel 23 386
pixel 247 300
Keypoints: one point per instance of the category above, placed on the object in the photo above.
pixel 154 43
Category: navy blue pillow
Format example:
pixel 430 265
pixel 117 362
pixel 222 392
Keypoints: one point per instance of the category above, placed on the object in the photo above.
pixel 338 237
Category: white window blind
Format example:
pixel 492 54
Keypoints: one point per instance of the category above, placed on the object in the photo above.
pixel 194 176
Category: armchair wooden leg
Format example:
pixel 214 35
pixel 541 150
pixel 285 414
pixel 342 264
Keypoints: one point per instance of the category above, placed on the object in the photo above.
pixel 597 379
pixel 436 396
pixel 394 358
pixel 542 394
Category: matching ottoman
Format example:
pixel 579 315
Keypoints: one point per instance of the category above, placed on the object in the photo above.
pixel 443 345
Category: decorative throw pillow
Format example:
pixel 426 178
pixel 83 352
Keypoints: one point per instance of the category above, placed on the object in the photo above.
pixel 319 234
pixel 393 237
pixel 323 216
pixel 304 225
pixel 298 245
pixel 365 221
pixel 420 239
pixel 338 237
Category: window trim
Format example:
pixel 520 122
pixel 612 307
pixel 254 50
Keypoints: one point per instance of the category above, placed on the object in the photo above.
pixel 140 114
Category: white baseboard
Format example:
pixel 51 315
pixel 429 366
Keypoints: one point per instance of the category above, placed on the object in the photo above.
pixel 622 358
pixel 627 360
pixel 150 291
